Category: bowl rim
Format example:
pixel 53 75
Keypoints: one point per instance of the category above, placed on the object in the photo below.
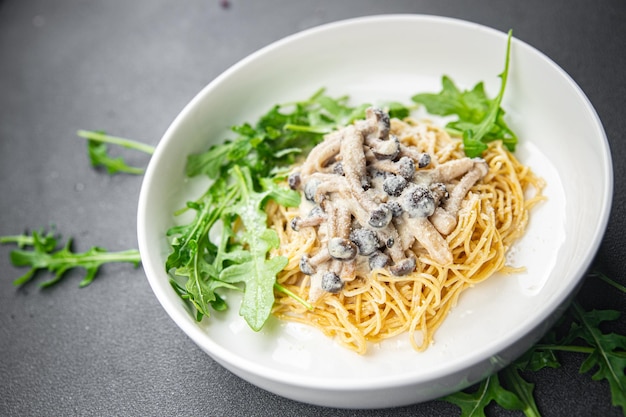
pixel 223 355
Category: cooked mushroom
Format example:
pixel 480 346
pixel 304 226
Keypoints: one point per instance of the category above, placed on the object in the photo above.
pixel 445 217
pixel 309 265
pixel 331 282
pixel 479 169
pixel 447 172
pixel 376 124
pixel 366 240
pixel 426 234
pixel 404 167
pixel 380 216
pixel 394 184
pixel 353 158
pixel 359 203
pixel 418 201
pixel 378 260
pixel 322 153
pixel 315 217
pixel 390 238
pixel 294 180
pixel 310 189
pixel 404 267
pixel 385 149
pixel 421 158
pixel 342 249
pixel 376 198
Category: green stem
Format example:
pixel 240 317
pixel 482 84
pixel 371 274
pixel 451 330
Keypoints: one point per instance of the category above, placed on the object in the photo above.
pixel 293 295
pixel 609 281
pixel 126 143
pixel 575 349
pixel 307 129
pixel 20 240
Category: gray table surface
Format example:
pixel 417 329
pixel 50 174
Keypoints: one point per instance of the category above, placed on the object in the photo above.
pixel 128 67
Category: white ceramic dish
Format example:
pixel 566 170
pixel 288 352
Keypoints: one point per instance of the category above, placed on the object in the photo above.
pixel 383 58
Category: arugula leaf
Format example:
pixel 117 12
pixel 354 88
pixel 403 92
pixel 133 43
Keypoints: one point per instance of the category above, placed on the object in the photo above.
pixel 256 271
pixel 608 354
pixel 284 132
pixel 99 156
pixel 247 172
pixel 239 257
pixel 44 255
pixel 99 151
pixel 523 389
pixel 605 352
pixel 397 109
pixel 480 120
pixel 472 404
pixel 194 256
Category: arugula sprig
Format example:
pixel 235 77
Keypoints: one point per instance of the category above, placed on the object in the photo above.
pixel 274 142
pixel 480 120
pixel 97 147
pixel 473 403
pixel 40 251
pixel 246 172
pixel 605 353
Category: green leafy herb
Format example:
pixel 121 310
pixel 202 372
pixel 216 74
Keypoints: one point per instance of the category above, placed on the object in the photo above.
pixel 97 147
pixel 42 253
pixel 253 268
pixel 246 173
pixel 472 404
pixel 606 353
pixel 480 120
pixel 279 136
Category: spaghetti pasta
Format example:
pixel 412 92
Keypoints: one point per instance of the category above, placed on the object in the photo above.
pixel 376 304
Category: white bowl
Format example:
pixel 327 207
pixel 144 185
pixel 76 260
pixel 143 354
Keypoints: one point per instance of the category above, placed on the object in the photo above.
pixel 390 58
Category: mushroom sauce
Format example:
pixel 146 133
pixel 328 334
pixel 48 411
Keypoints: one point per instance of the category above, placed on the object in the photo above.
pixel 375 201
